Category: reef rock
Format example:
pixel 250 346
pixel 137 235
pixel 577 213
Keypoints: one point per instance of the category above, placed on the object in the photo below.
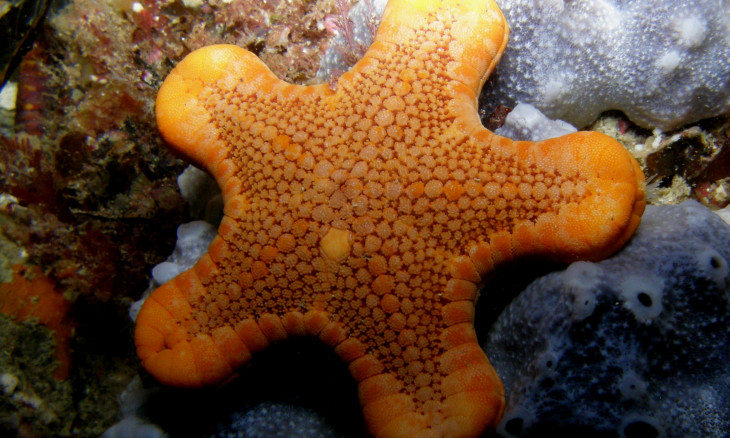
pixel 635 345
pixel 663 63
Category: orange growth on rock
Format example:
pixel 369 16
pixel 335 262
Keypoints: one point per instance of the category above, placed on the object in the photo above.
pixel 31 296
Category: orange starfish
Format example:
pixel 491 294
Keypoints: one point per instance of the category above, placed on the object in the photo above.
pixel 368 216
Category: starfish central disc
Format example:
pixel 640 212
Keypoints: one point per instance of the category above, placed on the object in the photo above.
pixel 368 215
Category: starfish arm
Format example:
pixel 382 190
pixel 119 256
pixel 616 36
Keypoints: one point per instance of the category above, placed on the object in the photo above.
pixel 576 197
pixel 181 117
pixel 185 116
pixel 163 345
pixel 607 191
pixel 172 347
pixel 479 33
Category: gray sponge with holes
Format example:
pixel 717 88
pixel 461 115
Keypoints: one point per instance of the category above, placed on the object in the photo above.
pixel 633 346
pixel 275 420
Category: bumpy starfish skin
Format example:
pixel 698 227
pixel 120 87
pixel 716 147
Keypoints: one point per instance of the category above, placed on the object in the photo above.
pixel 368 215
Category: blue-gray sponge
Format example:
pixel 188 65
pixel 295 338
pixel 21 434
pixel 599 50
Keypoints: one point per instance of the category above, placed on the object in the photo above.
pixel 633 346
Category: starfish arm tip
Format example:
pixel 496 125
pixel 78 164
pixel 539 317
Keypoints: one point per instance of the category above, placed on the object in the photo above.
pixel 182 110
pixel 606 186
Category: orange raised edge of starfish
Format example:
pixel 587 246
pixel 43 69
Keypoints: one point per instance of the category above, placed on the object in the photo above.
pixel 368 215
